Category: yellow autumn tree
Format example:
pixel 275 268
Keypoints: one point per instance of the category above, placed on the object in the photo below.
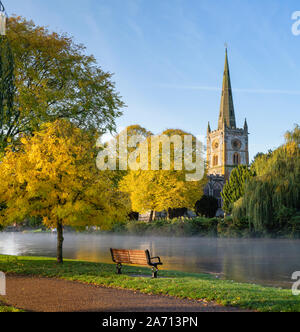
pixel 141 187
pixel 53 174
pixel 127 134
pixel 159 190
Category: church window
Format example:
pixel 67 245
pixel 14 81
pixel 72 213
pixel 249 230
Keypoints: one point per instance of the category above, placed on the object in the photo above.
pixel 236 144
pixel 236 159
pixel 215 161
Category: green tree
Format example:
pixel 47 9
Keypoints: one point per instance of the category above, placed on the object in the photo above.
pixel 272 198
pixel 234 189
pixel 293 136
pixel 53 175
pixel 55 79
pixel 6 88
pixel 207 206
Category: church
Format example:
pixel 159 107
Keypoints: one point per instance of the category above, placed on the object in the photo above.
pixel 228 146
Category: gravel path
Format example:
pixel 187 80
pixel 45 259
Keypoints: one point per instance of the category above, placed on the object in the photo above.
pixel 54 295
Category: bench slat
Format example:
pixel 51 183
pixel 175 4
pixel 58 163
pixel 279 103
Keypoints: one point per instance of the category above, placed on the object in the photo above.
pixel 135 257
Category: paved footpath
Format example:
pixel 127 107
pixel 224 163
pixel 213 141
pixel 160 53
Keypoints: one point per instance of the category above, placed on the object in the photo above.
pixel 54 295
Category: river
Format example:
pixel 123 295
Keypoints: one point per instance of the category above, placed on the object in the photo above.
pixel 261 261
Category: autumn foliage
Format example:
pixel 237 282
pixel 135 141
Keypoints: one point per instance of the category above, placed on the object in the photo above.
pixel 54 79
pixel 162 190
pixel 53 175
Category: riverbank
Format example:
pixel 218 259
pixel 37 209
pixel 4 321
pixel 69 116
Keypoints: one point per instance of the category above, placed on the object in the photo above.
pixel 204 227
pixel 179 227
pixel 175 284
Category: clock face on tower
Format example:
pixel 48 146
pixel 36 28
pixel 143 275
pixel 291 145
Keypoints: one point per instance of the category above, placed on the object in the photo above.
pixel 236 144
pixel 216 145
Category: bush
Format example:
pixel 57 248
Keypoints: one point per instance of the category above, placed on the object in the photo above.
pixel 230 227
pixel 295 226
pixel 119 227
pixel 203 226
pixel 139 228
pixel 207 207
pixel 174 227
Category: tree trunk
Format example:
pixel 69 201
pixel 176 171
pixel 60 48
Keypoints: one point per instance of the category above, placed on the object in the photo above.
pixel 169 214
pixel 60 240
pixel 151 216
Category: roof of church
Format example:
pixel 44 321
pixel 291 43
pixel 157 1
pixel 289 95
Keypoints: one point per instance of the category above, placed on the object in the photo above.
pixel 227 114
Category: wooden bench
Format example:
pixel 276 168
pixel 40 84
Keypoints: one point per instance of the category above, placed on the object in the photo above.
pixel 135 257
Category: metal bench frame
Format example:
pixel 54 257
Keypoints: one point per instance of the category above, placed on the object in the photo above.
pixel 153 262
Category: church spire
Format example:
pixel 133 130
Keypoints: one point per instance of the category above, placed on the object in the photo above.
pixel 227 115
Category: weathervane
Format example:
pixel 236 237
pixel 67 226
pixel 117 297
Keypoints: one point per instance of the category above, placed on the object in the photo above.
pixel 226 46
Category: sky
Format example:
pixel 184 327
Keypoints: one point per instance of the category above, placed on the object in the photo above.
pixel 168 57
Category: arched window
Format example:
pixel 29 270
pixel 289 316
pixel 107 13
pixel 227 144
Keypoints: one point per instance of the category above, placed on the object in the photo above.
pixel 215 161
pixel 236 159
pixel 207 190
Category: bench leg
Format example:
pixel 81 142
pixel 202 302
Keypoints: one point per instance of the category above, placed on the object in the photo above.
pixel 119 269
pixel 154 272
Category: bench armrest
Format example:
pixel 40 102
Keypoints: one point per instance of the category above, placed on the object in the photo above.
pixel 158 258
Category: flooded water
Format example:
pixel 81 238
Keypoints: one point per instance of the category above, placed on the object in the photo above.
pixel 265 262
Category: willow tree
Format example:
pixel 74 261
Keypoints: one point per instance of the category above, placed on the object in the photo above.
pixel 53 174
pixel 275 192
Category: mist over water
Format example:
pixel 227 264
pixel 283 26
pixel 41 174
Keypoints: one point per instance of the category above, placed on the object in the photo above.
pixel 262 261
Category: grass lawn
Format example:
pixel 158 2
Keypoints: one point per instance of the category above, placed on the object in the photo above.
pixel 4 308
pixel 178 284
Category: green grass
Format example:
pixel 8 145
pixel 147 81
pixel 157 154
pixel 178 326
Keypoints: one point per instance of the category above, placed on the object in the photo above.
pixel 177 284
pixel 4 308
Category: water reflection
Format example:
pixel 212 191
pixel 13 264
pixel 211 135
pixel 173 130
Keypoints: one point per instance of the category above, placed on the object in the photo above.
pixel 268 262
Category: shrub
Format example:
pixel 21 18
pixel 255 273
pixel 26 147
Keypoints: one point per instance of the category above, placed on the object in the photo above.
pixel 207 207
pixel 294 224
pixel 230 227
pixel 139 228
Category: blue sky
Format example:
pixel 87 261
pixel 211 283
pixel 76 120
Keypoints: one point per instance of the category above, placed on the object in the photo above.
pixel 168 58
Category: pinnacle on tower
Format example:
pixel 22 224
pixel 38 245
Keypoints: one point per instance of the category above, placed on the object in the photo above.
pixel 227 114
pixel 208 129
pixel 246 126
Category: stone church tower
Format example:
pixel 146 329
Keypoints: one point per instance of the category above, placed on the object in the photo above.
pixel 227 147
